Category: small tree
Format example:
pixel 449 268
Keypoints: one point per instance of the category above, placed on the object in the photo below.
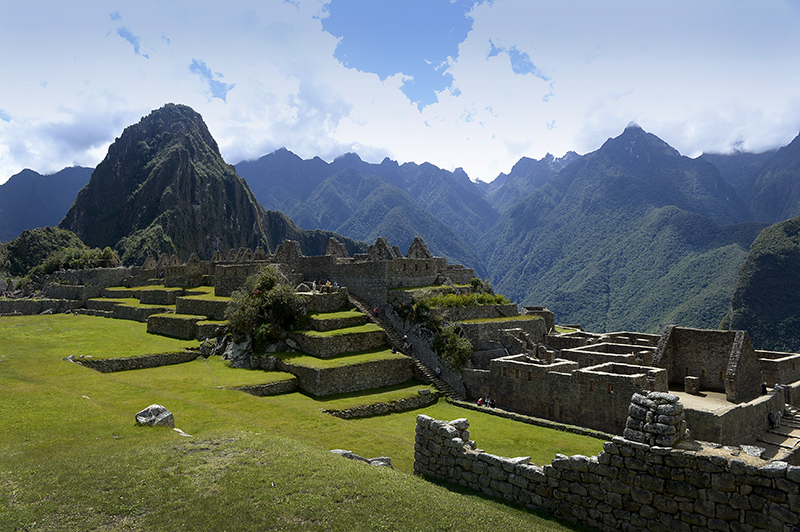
pixel 265 307
pixel 452 348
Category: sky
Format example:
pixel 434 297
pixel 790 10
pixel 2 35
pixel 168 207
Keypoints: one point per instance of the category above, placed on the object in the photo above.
pixel 475 84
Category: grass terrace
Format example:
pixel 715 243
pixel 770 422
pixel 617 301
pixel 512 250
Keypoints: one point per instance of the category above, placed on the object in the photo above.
pixel 347 359
pixel 367 327
pixel 72 458
pixel 343 314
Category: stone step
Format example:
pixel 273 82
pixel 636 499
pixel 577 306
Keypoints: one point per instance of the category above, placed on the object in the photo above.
pixel 329 321
pixel 340 341
pixel 396 341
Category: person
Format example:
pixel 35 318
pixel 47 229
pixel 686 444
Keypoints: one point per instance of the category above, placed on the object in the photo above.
pixel 313 287
pixel 772 421
pixel 480 401
pixel 438 372
pixel 763 388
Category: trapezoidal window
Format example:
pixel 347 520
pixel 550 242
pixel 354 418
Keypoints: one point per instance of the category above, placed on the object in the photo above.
pixel 610 387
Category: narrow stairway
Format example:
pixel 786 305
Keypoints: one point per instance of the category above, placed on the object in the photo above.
pixel 396 341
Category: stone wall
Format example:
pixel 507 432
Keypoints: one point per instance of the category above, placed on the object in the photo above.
pixel 37 306
pixel 331 302
pixel 724 361
pixel 337 344
pixel 330 324
pixel 102 277
pixel 591 355
pixel 182 327
pixel 71 291
pixel 270 388
pixel 140 314
pixel 229 277
pixel 492 331
pixel 350 378
pixel 783 368
pixel 401 405
pixel 743 422
pixel 596 397
pixel 628 486
pixel 109 365
pixel 213 309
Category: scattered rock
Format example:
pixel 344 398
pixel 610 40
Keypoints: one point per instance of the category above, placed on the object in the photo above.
pixel 156 416
pixel 381 461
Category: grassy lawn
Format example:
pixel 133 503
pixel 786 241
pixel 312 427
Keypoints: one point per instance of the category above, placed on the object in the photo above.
pixel 72 458
pixel 335 315
pixel 367 327
pixel 208 296
pixel 346 359
pixel 387 394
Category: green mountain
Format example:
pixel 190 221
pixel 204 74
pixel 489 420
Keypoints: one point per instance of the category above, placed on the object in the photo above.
pixel 776 188
pixel 766 302
pixel 163 187
pixel 283 181
pixel 526 176
pixel 29 199
pixel 740 169
pixel 627 237
pixel 366 207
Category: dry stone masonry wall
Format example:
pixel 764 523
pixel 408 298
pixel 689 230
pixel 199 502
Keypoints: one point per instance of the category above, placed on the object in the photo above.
pixel 628 486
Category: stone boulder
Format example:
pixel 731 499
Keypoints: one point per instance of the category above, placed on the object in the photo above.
pixel 239 351
pixel 381 461
pixel 155 416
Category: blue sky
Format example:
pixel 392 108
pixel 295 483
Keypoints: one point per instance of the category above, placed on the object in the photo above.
pixel 461 83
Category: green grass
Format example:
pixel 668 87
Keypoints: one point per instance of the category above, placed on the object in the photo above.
pixel 521 317
pixel 347 359
pixel 72 458
pixel 335 315
pixel 386 394
pixel 367 327
pixel 208 297
pixel 131 302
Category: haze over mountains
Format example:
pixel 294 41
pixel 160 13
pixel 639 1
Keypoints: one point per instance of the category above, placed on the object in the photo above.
pixel 631 236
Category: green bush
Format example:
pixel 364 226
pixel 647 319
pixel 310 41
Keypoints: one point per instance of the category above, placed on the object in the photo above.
pixel 73 258
pixel 265 307
pixel 452 348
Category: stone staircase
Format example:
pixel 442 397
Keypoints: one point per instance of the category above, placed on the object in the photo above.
pixel 396 341
pixel 784 440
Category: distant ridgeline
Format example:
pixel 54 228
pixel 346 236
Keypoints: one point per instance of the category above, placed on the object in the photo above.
pixel 630 236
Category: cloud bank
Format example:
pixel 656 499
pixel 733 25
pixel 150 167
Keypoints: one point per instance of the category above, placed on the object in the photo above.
pixel 456 83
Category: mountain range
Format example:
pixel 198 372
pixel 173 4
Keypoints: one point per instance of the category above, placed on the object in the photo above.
pixel 631 236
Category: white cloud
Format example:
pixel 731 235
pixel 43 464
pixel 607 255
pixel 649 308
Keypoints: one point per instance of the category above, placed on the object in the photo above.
pixel 702 76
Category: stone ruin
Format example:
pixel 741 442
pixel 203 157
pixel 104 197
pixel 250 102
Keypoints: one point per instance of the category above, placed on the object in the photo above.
pixel 657 419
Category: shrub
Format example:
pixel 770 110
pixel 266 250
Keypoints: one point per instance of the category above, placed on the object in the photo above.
pixel 265 307
pixel 452 348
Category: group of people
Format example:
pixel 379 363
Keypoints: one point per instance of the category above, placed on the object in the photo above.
pixel 324 287
pixel 488 401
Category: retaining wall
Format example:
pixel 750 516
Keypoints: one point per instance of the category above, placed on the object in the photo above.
pixel 628 486
pixel 330 324
pixel 109 365
pixel 213 309
pixel 182 327
pixel 271 388
pixel 350 378
pixel 378 409
pixel 37 306
pixel 329 346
